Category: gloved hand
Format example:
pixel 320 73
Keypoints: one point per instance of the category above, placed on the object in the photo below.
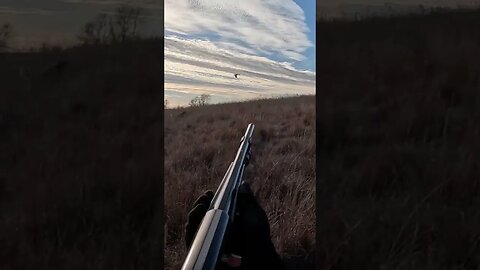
pixel 249 236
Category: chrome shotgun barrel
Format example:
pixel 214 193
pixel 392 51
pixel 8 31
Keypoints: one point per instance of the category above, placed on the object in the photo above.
pixel 206 250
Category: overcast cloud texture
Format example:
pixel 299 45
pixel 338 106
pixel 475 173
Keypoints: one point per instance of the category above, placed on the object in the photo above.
pixel 207 42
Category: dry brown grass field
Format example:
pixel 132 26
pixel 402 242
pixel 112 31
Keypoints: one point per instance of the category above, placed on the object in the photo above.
pixel 398 133
pixel 80 157
pixel 200 142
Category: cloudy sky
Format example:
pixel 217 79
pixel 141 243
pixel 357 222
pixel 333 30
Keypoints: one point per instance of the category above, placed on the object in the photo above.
pixel 59 21
pixel 270 43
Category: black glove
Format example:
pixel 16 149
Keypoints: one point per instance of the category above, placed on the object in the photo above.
pixel 249 234
pixel 195 216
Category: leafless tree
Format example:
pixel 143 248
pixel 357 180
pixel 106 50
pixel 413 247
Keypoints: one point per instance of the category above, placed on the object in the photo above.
pixel 6 33
pixel 96 31
pixel 204 98
pixel 110 28
pixel 125 22
pixel 194 102
pixel 201 100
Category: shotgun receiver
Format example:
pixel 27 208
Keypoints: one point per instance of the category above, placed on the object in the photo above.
pixel 207 247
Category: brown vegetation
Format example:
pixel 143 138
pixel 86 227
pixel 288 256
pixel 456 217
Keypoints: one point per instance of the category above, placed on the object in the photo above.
pixel 200 142
pixel 80 157
pixel 399 142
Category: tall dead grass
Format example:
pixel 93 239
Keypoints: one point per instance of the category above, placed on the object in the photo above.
pixel 80 148
pixel 399 142
pixel 201 142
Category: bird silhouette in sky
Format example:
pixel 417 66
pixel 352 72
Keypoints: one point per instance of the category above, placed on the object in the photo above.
pixel 236 75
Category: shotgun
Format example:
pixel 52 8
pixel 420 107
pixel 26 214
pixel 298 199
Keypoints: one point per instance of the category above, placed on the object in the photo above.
pixel 208 244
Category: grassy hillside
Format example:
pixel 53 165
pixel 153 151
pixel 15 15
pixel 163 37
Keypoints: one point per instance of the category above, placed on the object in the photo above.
pixel 398 125
pixel 80 157
pixel 201 142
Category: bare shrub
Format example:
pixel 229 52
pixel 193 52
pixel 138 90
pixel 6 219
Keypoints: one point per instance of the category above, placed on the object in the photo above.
pixel 201 100
pixel 96 31
pixel 6 33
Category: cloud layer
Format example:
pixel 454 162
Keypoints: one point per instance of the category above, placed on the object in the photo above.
pixel 268 27
pixel 207 42
pixel 194 67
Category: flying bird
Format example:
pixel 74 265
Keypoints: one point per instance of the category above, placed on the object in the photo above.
pixel 236 75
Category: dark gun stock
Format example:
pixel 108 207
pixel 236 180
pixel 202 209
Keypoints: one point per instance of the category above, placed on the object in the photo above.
pixel 207 247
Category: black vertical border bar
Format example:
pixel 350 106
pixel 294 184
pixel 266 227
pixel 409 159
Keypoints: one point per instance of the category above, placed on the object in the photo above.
pixel 162 149
pixel 317 147
pixel 156 256
pixel 162 182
